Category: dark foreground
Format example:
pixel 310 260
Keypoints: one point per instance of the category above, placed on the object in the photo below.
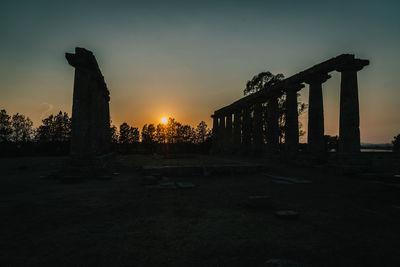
pixel 344 221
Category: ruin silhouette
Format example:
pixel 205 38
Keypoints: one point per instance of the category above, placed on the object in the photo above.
pixel 245 132
pixel 90 108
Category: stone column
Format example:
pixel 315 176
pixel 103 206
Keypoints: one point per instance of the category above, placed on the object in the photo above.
pixel 237 129
pixel 228 132
pixel 258 135
pixel 349 121
pixel 272 125
pixel 315 132
pixel 222 132
pixel 215 138
pixel 246 130
pixel 292 118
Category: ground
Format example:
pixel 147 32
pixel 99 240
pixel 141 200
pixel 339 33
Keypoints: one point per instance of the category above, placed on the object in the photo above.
pixel 344 220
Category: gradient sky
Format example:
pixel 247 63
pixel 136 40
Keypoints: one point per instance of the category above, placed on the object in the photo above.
pixel 185 59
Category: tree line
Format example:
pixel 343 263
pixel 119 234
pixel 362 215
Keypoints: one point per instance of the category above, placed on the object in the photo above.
pixel 52 137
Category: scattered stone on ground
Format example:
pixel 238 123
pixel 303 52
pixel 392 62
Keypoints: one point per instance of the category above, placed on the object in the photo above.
pixel 287 214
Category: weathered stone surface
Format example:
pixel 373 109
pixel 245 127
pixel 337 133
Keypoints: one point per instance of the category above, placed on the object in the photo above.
pixel 349 121
pixel 258 135
pixel 90 108
pixel 272 125
pixel 247 129
pixel 292 118
pixel 315 133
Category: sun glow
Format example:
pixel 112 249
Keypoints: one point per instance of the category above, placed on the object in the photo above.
pixel 164 120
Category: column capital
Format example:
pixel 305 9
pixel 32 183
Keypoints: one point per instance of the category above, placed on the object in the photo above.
pixel 353 65
pixel 317 78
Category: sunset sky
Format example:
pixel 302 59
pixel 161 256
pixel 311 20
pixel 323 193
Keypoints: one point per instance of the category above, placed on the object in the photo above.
pixel 185 59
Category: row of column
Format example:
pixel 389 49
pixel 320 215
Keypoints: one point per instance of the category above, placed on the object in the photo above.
pixel 246 130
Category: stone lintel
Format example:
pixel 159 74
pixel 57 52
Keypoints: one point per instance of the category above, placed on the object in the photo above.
pixel 317 78
pixel 353 65
pixel 294 86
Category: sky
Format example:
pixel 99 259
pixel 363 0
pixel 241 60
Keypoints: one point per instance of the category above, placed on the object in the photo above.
pixel 185 59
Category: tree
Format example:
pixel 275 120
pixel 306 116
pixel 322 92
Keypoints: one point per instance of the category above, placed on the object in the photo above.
pixel 185 134
pixel 128 134
pixel 55 128
pixel 21 128
pixel 5 126
pixel 148 134
pixel 160 135
pixel 114 134
pixel 261 81
pixel 396 143
pixel 202 133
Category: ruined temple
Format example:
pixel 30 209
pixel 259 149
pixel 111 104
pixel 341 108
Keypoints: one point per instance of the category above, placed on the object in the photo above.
pixel 90 108
pixel 240 125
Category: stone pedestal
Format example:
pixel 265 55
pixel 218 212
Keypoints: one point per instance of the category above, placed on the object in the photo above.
pixel 292 118
pixel 272 125
pixel 315 133
pixel 349 121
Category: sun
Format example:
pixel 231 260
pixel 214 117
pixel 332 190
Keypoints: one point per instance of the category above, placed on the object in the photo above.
pixel 164 120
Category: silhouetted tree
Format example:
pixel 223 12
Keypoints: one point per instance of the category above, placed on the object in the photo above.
pixel 261 81
pixel 55 129
pixel 128 134
pixel 148 134
pixel 21 128
pixel 5 126
pixel 114 134
pixel 185 134
pixel 396 143
pixel 160 136
pixel 202 133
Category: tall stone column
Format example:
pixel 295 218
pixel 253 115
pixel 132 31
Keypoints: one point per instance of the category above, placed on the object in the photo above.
pixel 215 129
pixel 315 132
pixel 349 121
pixel 246 130
pixel 222 133
pixel 237 129
pixel 228 132
pixel 272 125
pixel 258 136
pixel 292 118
